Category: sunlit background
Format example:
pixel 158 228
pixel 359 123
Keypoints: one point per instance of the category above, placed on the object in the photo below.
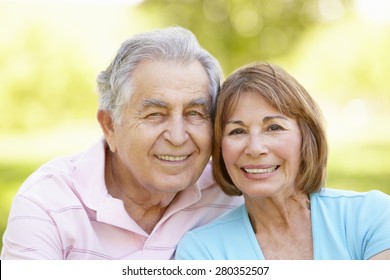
pixel 52 51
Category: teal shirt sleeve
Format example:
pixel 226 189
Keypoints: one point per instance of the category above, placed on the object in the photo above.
pixel 375 236
pixel 350 225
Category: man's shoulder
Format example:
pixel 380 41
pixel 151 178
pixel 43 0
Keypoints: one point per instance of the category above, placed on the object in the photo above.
pixel 56 173
pixel 54 169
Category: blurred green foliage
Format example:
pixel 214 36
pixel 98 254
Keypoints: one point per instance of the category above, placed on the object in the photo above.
pixel 240 31
pixel 360 166
pixel 43 82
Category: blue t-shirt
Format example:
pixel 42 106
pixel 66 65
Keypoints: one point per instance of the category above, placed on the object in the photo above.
pixel 346 225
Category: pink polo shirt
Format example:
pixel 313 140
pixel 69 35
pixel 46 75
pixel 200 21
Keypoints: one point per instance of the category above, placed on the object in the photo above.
pixel 63 211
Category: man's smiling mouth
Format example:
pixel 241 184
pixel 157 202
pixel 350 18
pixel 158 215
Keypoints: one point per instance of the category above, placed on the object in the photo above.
pixel 172 158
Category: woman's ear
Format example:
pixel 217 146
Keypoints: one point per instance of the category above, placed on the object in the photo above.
pixel 107 125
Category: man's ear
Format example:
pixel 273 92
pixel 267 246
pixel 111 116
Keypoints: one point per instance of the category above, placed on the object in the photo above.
pixel 107 125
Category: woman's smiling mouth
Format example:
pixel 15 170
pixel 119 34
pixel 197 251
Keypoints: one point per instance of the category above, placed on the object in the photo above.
pixel 260 170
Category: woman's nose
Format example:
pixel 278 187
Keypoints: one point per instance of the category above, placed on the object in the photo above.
pixel 256 145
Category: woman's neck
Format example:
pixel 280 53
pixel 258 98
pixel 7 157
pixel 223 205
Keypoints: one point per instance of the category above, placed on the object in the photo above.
pixel 282 226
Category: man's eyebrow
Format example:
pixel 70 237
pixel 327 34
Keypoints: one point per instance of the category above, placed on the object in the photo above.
pixel 152 102
pixel 200 102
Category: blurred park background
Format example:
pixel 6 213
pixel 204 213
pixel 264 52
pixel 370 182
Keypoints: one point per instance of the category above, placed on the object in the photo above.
pixel 51 52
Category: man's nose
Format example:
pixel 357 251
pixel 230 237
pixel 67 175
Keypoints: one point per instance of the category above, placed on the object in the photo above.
pixel 176 131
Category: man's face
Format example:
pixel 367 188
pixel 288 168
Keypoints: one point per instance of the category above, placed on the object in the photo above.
pixel 163 141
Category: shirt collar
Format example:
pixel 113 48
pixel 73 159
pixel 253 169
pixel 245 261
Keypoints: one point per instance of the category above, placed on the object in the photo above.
pixel 89 178
pixel 89 181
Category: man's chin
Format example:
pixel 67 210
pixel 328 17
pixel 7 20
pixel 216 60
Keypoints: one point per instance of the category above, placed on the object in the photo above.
pixel 173 185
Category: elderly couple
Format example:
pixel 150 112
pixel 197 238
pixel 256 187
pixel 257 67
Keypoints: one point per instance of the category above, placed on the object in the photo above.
pixel 148 189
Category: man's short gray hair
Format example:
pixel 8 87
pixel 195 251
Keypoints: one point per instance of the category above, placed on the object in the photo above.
pixel 173 44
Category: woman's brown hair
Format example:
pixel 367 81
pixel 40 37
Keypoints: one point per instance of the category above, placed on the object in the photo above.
pixel 284 93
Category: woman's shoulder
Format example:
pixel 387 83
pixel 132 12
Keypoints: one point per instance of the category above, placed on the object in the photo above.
pixel 350 198
pixel 342 193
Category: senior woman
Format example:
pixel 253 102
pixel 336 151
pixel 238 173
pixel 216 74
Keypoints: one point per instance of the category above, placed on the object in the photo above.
pixel 270 146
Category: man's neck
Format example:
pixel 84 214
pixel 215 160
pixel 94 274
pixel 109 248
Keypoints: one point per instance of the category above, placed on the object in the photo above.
pixel 145 207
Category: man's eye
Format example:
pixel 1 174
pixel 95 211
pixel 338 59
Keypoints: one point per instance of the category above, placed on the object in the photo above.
pixel 154 115
pixel 196 114
pixel 193 113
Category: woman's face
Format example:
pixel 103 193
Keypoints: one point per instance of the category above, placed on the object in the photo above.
pixel 261 148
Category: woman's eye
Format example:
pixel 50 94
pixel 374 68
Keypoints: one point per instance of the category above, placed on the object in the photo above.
pixel 274 127
pixel 236 131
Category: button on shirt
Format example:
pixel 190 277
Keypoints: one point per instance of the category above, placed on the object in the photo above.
pixel 63 211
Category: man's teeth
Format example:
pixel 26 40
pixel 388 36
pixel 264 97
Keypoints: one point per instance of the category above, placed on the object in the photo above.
pixel 260 170
pixel 172 158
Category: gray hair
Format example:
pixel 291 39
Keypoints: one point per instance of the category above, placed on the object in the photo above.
pixel 114 85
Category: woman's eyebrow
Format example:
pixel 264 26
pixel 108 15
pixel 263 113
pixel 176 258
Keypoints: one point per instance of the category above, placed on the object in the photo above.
pixel 269 118
pixel 235 122
pixel 265 119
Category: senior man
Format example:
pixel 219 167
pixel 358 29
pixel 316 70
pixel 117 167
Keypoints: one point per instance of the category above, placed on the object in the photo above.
pixel 147 181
